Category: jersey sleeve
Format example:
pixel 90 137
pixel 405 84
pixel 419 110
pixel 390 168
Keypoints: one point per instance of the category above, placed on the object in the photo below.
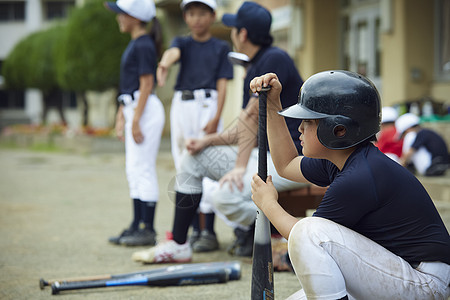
pixel 177 42
pixel 146 56
pixel 225 67
pixel 316 171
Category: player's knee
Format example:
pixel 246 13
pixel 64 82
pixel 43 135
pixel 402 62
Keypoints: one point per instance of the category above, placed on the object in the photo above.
pixel 308 227
pixel 187 162
pixel 218 200
pixel 221 200
pixel 187 184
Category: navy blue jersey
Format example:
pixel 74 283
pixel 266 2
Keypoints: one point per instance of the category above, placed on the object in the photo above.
pixel 275 60
pixel 434 143
pixel 139 58
pixel 202 63
pixel 380 199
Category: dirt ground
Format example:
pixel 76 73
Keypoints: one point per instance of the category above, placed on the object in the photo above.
pixel 57 210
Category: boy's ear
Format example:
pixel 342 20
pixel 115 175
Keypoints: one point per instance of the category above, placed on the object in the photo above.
pixel 339 131
pixel 243 35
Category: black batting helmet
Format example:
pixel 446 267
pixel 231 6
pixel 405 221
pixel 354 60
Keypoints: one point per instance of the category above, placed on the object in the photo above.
pixel 339 99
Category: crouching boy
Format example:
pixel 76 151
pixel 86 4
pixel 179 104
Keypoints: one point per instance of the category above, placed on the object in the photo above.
pixel 376 234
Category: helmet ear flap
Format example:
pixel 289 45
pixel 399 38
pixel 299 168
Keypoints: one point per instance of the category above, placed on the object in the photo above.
pixel 337 132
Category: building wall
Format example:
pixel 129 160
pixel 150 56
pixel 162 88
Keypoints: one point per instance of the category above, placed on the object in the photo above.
pixel 419 48
pixel 393 60
pixel 16 31
pixel 407 58
pixel 441 92
pixel 408 55
pixel 320 47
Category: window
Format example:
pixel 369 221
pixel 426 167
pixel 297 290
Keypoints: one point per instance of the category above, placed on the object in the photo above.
pixel 12 11
pixel 57 9
pixel 12 99
pixel 360 43
pixel 67 98
pixel 442 39
pixel 362 53
pixel 286 28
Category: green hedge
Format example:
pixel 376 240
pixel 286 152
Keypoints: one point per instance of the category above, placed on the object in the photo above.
pixel 89 57
pixel 82 55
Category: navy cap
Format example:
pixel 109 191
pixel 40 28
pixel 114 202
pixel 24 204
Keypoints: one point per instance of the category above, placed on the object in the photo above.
pixel 114 7
pixel 253 17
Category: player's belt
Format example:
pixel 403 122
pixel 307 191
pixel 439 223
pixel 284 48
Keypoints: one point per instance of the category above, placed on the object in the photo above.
pixel 125 99
pixel 187 95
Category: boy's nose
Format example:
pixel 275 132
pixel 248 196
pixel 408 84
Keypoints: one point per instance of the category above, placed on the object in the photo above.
pixel 300 128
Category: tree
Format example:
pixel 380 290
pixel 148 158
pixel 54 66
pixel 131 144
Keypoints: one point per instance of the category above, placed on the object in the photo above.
pixel 31 65
pixel 82 55
pixel 89 56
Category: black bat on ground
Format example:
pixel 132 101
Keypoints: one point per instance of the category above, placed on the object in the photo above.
pixel 172 276
pixel 262 268
pixel 233 267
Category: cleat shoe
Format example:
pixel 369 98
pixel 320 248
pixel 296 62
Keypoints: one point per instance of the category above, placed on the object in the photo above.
pixel 117 239
pixel 195 236
pixel 207 242
pixel 142 237
pixel 243 245
pixel 166 252
pixel 244 250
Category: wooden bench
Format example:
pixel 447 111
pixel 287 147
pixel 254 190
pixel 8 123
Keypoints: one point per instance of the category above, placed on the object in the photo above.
pixel 297 202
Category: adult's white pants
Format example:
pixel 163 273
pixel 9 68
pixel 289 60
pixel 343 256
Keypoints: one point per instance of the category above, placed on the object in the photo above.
pixel 214 162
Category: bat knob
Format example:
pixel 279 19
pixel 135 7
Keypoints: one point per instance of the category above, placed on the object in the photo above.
pixel 55 289
pixel 42 283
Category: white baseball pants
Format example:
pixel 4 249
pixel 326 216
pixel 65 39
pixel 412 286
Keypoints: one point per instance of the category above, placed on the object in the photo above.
pixel 187 120
pixel 140 159
pixel 332 261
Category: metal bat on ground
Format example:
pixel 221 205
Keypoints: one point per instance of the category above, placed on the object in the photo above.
pixel 232 267
pixel 262 268
pixel 168 278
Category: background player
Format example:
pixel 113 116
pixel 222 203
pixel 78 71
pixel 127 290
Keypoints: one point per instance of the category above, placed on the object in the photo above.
pixel 364 241
pixel 220 159
pixel 140 116
pixel 424 148
pixel 387 139
pixel 199 96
